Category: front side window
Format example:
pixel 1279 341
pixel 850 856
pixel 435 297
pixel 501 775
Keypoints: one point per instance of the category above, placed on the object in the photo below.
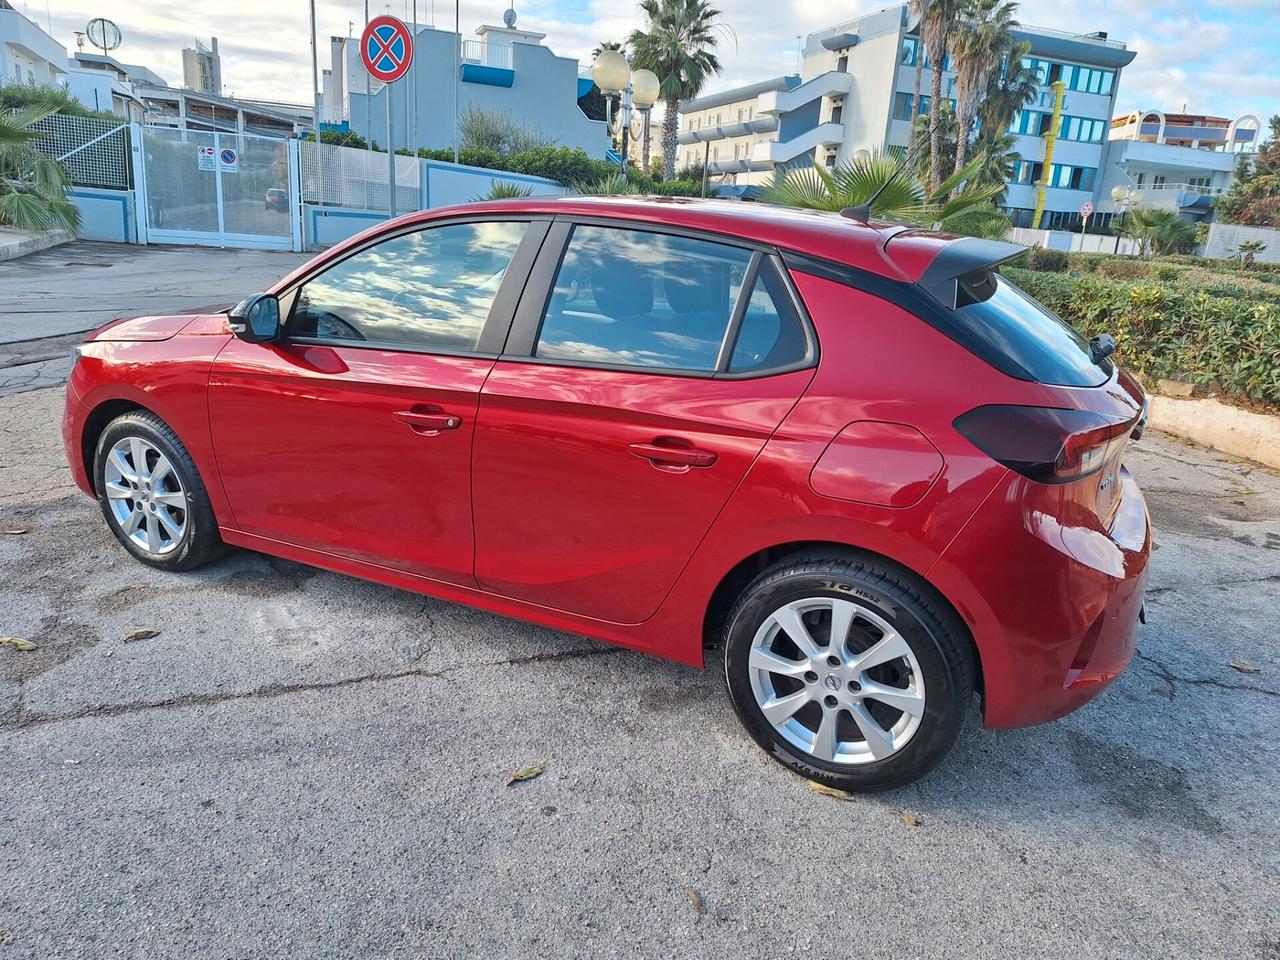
pixel 429 289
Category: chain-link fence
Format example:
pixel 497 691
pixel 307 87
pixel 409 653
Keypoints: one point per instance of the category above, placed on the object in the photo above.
pixel 350 177
pixel 94 152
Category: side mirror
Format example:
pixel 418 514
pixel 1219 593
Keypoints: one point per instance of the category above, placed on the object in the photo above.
pixel 256 319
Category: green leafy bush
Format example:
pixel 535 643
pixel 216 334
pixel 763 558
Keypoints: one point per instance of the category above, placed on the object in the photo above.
pixel 1053 261
pixel 1124 268
pixel 1174 330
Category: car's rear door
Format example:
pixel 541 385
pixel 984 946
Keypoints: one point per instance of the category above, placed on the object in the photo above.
pixel 643 375
pixel 353 434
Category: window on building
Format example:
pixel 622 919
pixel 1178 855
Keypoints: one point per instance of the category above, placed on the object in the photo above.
pixel 640 299
pixel 837 109
pixel 907 55
pixel 842 64
pixel 1140 178
pixel 1202 182
pixel 1157 181
pixel 429 289
pixel 902 105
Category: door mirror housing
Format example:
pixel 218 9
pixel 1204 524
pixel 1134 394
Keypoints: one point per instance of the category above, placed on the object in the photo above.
pixel 256 319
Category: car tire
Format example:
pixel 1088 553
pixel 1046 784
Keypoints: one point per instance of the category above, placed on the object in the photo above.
pixel 817 709
pixel 161 514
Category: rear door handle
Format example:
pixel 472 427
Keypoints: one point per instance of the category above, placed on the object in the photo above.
pixel 659 454
pixel 428 424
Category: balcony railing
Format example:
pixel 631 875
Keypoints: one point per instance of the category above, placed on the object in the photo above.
pixel 487 54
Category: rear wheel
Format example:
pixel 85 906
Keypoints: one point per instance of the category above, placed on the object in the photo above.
pixel 151 495
pixel 848 671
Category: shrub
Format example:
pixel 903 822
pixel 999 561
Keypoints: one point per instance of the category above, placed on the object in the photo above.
pixel 1164 272
pixel 1125 268
pixel 561 164
pixel 1088 262
pixel 1177 331
pixel 1053 261
pixel 482 129
pixel 21 96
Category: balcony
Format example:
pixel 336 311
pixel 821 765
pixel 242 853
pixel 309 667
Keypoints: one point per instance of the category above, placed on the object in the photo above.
pixel 738 128
pixel 834 83
pixel 487 63
pixel 823 135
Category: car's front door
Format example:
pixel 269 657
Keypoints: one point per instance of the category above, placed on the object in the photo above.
pixel 353 434
pixel 643 375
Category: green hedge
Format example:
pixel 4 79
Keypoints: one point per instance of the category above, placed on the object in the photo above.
pixel 1174 330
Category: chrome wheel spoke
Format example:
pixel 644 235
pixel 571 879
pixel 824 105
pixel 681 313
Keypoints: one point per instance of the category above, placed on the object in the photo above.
pixel 162 470
pixel 779 710
pixel 891 646
pixel 825 740
pixel 789 619
pixel 878 741
pixel 908 701
pixel 121 463
pixel 116 490
pixel 843 613
pixel 762 659
pixel 173 528
pixel 138 453
pixel 130 525
pixel 176 500
pixel 153 534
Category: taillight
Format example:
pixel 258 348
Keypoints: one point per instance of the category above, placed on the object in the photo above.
pixel 1043 443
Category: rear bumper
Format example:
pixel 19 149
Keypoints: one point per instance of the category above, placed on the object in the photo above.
pixel 1052 598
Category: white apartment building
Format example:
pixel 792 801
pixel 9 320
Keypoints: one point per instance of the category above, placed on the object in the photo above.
pixel 855 90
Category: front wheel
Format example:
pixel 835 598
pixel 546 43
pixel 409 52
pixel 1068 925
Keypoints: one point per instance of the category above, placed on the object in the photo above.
pixel 151 494
pixel 848 671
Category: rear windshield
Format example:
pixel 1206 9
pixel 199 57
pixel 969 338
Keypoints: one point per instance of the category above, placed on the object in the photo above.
pixel 994 310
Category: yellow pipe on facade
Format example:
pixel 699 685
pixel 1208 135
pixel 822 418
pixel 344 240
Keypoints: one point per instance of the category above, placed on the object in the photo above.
pixel 1050 139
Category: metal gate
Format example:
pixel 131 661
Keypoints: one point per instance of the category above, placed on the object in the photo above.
pixel 217 189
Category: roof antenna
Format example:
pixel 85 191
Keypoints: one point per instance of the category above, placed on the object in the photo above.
pixel 862 211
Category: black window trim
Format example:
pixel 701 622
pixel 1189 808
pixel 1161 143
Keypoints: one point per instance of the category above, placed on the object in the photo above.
pixel 497 323
pixel 523 337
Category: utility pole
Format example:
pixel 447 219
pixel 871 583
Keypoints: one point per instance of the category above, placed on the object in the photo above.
pixel 457 69
pixel 315 74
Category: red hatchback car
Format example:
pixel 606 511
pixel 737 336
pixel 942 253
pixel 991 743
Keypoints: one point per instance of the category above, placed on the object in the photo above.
pixel 852 457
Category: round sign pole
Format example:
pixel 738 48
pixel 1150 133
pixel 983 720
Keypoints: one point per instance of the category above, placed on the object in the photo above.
pixel 1086 210
pixel 386 47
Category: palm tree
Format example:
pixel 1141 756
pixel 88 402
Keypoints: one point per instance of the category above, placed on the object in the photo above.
pixel 994 144
pixel 939 20
pixel 33 187
pixel 981 39
pixel 678 46
pixel 958 205
pixel 604 45
pixel 1009 89
pixel 1160 231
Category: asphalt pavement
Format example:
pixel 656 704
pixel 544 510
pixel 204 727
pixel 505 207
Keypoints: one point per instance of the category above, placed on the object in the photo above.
pixel 304 765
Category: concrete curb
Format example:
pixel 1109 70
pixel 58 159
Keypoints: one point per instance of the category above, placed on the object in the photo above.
pixel 1241 433
pixel 19 243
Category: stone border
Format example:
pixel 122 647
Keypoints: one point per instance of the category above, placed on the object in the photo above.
pixel 1220 426
pixel 19 243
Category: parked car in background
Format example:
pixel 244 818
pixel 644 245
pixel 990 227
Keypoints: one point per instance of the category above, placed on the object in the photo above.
pixel 277 198
pixel 851 459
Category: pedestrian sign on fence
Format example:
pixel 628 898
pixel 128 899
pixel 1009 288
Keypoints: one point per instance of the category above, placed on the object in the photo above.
pixel 205 159
pixel 386 49
pixel 228 160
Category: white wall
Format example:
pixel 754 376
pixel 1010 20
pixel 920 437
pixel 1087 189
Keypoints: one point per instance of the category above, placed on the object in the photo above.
pixel 1224 238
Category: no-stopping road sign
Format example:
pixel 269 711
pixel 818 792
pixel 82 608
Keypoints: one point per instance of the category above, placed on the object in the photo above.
pixel 386 49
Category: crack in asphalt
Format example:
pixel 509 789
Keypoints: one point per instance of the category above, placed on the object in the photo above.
pixel 20 720
pixel 1173 679
pixel 1235 582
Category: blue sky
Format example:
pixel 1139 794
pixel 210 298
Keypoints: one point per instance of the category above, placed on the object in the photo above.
pixel 1215 56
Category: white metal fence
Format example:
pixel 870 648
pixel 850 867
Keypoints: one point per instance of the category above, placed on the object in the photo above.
pixel 1073 242
pixel 1225 238
pixel 94 152
pixel 350 177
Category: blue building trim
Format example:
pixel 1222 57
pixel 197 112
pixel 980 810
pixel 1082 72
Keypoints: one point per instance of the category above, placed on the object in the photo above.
pixel 491 76
pixel 584 86
pixel 124 207
pixel 317 212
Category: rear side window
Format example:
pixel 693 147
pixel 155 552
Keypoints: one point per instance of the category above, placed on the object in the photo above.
pixel 640 299
pixel 771 334
pixel 995 311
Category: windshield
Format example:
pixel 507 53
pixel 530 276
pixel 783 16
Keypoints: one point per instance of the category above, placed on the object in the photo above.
pixel 1045 346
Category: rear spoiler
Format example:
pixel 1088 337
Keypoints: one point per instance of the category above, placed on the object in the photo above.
pixel 960 258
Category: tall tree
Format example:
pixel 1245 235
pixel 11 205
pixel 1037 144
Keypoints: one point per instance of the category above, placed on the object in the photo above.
pixel 980 42
pixel 1009 89
pixel 939 21
pixel 33 187
pixel 678 45
pixel 1254 195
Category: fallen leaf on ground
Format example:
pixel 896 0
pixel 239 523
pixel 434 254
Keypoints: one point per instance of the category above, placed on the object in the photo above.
pixel 826 791
pixel 910 819
pixel 140 634
pixel 525 773
pixel 18 643
pixel 70 763
pixel 695 901
pixel 17 531
pixel 1243 667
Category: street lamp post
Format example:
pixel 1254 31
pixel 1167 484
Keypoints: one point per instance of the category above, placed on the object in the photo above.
pixel 639 91
pixel 1125 197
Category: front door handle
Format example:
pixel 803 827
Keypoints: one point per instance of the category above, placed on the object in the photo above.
pixel 662 455
pixel 428 423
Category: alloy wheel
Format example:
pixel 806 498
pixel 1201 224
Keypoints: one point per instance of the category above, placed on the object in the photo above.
pixel 836 680
pixel 145 495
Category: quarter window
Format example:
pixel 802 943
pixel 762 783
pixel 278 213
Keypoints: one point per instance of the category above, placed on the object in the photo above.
pixel 430 289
